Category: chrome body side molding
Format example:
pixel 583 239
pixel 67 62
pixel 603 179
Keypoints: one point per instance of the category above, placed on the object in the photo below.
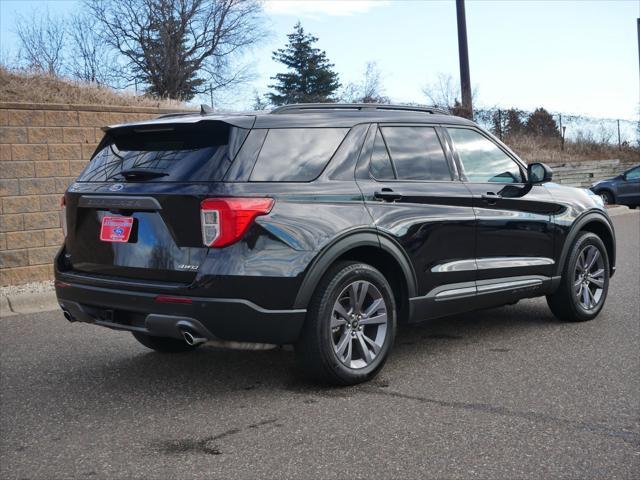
pixel 491 263
pixel 455 291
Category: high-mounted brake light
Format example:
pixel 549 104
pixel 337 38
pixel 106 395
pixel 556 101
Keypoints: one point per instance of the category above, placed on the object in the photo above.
pixel 63 215
pixel 225 220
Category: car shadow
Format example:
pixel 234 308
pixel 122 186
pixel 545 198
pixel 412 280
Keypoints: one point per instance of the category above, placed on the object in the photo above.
pixel 220 373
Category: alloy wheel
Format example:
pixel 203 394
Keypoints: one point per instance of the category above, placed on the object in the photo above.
pixel 589 278
pixel 359 324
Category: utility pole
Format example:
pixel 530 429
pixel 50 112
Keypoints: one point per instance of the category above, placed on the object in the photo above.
pixel 619 138
pixel 463 54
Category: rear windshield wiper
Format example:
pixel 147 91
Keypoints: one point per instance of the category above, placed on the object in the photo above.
pixel 142 173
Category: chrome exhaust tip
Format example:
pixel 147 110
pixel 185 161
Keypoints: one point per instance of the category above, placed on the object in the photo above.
pixel 68 316
pixel 191 339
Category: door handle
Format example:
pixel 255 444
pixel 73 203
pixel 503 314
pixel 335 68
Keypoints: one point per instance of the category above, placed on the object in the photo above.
pixel 387 195
pixel 491 198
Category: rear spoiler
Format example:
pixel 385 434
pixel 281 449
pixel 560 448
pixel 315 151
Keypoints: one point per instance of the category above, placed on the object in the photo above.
pixel 241 121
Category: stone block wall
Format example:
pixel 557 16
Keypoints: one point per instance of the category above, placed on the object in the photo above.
pixel 42 149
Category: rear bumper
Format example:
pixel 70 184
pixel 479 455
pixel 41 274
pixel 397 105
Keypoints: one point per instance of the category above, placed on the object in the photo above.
pixel 212 318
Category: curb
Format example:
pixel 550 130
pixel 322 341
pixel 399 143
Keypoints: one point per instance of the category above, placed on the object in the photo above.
pixel 25 303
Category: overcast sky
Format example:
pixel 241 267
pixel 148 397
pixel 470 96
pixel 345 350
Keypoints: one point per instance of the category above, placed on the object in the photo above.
pixel 573 57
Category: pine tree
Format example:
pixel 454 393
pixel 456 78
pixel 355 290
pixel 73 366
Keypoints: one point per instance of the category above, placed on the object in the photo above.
pixel 541 123
pixel 513 124
pixel 309 78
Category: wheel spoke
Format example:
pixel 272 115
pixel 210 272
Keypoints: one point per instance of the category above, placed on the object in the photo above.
pixel 364 350
pixel 598 282
pixel 357 294
pixel 376 348
pixel 374 320
pixel 349 354
pixel 345 339
pixel 595 253
pixel 374 307
pixel 337 322
pixel 585 296
pixel 340 310
pixel 592 299
pixel 359 291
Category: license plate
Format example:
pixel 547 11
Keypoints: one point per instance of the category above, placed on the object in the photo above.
pixel 116 229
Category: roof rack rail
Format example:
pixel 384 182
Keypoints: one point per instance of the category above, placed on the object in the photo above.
pixel 301 107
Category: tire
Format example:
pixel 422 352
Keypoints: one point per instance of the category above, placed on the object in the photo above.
pixel 163 344
pixel 331 345
pixel 569 302
pixel 607 197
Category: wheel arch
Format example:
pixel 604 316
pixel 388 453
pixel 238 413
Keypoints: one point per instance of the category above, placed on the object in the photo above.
pixel 608 189
pixel 368 247
pixel 595 222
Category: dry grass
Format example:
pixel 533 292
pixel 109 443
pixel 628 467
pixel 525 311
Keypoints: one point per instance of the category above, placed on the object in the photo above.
pixel 534 149
pixel 37 88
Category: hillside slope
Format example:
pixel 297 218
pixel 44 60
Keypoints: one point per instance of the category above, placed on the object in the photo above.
pixel 38 88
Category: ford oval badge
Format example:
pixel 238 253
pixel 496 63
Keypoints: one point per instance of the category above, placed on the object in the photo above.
pixel 116 187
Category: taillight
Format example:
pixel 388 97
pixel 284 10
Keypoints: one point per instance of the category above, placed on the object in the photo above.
pixel 225 220
pixel 63 216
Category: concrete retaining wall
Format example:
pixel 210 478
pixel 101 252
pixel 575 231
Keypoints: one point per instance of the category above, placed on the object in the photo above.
pixel 583 174
pixel 42 149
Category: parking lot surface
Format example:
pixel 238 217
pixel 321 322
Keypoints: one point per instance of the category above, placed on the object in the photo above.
pixel 502 393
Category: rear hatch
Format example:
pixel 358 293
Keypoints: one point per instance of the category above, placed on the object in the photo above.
pixel 134 211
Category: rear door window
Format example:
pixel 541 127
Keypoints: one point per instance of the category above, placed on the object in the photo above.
pixel 416 153
pixel 180 153
pixel 296 154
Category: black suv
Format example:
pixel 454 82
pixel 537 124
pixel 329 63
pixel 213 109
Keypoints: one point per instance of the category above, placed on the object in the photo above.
pixel 323 226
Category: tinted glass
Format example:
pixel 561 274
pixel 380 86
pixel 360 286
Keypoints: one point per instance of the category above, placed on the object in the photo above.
pixel 633 174
pixel 380 165
pixel 174 154
pixel 296 154
pixel 482 160
pixel 416 153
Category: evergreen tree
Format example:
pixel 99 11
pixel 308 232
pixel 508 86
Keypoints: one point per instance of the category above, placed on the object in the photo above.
pixel 513 124
pixel 541 123
pixel 309 78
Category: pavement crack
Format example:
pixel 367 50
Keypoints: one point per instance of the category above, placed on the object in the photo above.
pixel 626 435
pixel 208 445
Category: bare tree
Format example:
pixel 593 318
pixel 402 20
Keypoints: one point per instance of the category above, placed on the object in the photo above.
pixel 180 48
pixel 370 90
pixel 260 102
pixel 445 93
pixel 42 41
pixel 91 59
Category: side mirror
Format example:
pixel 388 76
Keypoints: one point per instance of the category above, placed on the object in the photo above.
pixel 539 173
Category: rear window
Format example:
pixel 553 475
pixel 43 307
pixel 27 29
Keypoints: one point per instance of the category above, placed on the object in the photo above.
pixel 179 153
pixel 296 154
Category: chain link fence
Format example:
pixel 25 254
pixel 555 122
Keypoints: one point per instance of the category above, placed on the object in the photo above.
pixel 575 128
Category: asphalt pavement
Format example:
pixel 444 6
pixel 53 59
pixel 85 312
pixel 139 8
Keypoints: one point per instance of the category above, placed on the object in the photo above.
pixel 503 393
